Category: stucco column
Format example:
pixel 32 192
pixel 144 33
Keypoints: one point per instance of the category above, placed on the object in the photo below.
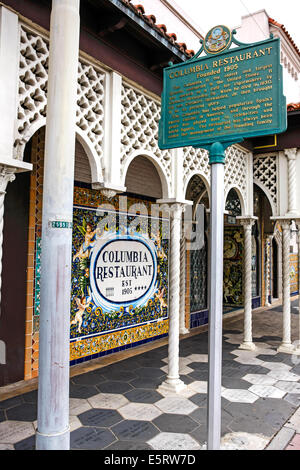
pixel 53 431
pixel 286 345
pixel 182 328
pixel 297 350
pixel 173 384
pixel 291 157
pixel 247 223
pixel 268 269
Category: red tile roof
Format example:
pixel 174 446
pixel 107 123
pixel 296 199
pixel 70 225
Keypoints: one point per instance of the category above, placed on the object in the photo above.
pixel 282 27
pixel 160 28
pixel 293 107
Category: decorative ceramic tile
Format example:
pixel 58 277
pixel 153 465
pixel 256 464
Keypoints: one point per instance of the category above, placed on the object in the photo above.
pixel 111 401
pixel 267 391
pixel 98 344
pixel 178 405
pixel 140 411
pixel 259 379
pixel 173 441
pixel 239 396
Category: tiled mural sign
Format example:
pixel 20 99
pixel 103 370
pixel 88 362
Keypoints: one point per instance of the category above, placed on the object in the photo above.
pixel 119 274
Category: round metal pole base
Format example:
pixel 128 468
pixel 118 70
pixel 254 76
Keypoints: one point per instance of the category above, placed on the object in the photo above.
pixel 59 441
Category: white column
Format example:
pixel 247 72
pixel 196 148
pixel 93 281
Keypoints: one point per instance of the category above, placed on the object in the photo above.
pixel 291 156
pixel 297 350
pixel 183 329
pixel 268 269
pixel 286 345
pixel 247 223
pixel 112 128
pixel 53 431
pixel 9 67
pixel 173 384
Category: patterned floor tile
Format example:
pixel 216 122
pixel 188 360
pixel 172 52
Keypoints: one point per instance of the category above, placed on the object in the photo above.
pixel 12 432
pixel 289 387
pixel 276 366
pixel 113 386
pixel 182 423
pixel 140 411
pixel 198 386
pixel 243 441
pixel 174 441
pixel 143 396
pixel 259 379
pixel 267 391
pixel 176 405
pixel 198 358
pixel 100 417
pixel 128 445
pixel 90 378
pixel 78 405
pixel 282 374
pixel 23 412
pixel 132 430
pixel 239 396
pixel 91 438
pixel 108 400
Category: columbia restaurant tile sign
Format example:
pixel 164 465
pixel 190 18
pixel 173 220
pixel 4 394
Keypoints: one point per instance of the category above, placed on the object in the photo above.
pixel 227 95
pixel 119 280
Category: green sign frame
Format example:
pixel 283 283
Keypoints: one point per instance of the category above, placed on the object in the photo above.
pixel 223 96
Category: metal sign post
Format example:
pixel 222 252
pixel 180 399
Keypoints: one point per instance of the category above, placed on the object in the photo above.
pixel 212 102
pixel 217 161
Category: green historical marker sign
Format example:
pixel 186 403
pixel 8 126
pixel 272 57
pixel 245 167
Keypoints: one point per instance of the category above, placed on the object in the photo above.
pixel 213 102
pixel 225 96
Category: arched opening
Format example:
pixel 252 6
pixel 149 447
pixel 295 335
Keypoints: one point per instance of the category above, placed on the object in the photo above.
pixel 264 229
pixel 197 252
pixel 233 203
pixel 17 263
pixel 233 253
pixel 142 178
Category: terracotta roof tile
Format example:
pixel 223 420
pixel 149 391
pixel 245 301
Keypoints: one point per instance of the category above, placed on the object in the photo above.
pixel 161 28
pixel 293 107
pixel 282 27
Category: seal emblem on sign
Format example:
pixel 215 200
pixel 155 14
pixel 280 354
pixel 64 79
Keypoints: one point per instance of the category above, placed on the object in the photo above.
pixel 217 39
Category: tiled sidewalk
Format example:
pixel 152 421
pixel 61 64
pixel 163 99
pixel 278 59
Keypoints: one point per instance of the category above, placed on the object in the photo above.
pixel 118 406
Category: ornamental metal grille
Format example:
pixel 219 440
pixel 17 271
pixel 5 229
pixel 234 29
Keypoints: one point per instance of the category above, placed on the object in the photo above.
pixel 233 203
pixel 198 279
